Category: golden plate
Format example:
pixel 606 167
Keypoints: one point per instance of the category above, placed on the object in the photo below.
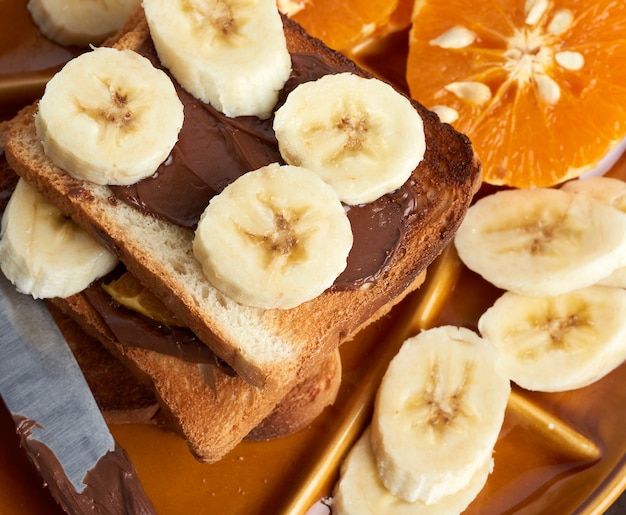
pixel 557 453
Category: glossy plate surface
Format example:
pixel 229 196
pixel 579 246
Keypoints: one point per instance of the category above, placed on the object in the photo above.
pixel 557 453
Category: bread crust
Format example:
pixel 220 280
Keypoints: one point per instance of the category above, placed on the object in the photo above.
pixel 123 398
pixel 212 410
pixel 209 408
pixel 303 403
pixel 272 350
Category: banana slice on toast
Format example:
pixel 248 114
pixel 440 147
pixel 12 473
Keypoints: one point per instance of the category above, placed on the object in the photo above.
pixel 80 22
pixel 274 238
pixel 109 117
pixel 231 54
pixel 45 254
pixel 359 135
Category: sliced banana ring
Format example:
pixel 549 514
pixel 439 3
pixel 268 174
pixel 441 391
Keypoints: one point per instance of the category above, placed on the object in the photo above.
pixel 360 491
pixel 542 241
pixel 438 413
pixel 232 55
pixel 109 117
pixel 359 135
pixel 611 191
pixel 558 343
pixel 274 238
pixel 45 254
pixel 79 22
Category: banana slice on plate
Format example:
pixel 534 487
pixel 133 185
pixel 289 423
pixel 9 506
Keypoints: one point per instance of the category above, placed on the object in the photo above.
pixel 438 413
pixel 109 117
pixel 359 135
pixel 274 238
pixel 542 242
pixel 45 254
pixel 360 491
pixel 80 22
pixel 610 191
pixel 558 343
pixel 606 189
pixel 230 54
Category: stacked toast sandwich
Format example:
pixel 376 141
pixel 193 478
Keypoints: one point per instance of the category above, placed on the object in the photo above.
pixel 124 398
pixel 236 360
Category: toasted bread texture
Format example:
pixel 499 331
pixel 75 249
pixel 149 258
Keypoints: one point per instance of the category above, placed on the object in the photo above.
pixel 264 346
pixel 271 350
pixel 303 403
pixel 126 397
pixel 210 408
pixel 120 396
pixel 8 178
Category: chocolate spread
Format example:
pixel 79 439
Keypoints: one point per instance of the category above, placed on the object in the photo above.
pixel 112 486
pixel 213 150
pixel 131 328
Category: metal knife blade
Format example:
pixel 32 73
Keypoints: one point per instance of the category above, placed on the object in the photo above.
pixel 41 382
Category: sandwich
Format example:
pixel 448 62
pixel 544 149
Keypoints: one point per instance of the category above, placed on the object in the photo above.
pixel 123 398
pixel 258 353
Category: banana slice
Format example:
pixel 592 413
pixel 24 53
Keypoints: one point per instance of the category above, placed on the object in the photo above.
pixel 438 412
pixel 542 241
pixel 228 53
pixel 558 343
pixel 359 135
pixel 45 254
pixel 274 238
pixel 616 279
pixel 80 22
pixel 360 491
pixel 606 189
pixel 610 191
pixel 109 117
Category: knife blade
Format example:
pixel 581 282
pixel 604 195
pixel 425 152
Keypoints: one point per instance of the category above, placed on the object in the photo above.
pixel 56 414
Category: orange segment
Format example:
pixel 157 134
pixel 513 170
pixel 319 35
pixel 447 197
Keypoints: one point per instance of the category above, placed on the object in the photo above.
pixel 341 25
pixel 130 293
pixel 401 17
pixel 539 86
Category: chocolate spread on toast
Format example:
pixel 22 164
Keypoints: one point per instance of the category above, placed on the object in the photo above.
pixel 213 150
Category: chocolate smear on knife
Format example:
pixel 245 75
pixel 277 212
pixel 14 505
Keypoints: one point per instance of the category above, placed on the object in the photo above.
pixel 112 486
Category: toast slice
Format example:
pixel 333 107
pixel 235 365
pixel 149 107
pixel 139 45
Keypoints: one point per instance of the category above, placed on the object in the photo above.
pixel 121 397
pixel 210 407
pixel 126 397
pixel 270 349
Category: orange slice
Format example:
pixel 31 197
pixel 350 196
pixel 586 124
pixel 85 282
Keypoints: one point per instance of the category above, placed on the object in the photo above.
pixel 539 86
pixel 341 25
pixel 401 17
pixel 130 293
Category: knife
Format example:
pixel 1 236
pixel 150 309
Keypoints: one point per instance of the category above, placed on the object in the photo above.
pixel 56 415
